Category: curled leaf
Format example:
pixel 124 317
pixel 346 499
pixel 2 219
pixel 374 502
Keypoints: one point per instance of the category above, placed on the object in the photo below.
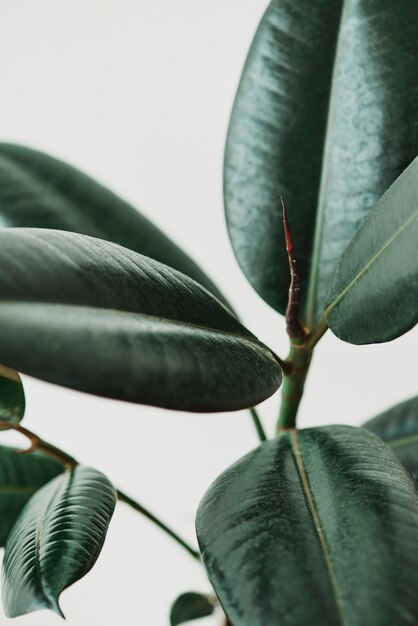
pixel 21 475
pixel 56 540
pixel 190 606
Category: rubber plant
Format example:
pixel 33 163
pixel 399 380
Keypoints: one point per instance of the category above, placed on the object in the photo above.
pixel 315 526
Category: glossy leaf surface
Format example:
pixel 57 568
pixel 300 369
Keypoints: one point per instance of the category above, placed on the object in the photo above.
pixel 20 476
pixel 316 527
pixel 37 190
pixel 326 115
pixel 190 606
pixel 374 293
pixel 398 427
pixel 56 540
pixel 12 396
pixel 103 319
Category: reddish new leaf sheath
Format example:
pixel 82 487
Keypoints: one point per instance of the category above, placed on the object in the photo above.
pixel 295 328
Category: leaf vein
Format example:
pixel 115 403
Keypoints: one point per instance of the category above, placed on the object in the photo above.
pixel 370 263
pixel 320 219
pixel 402 441
pixel 303 475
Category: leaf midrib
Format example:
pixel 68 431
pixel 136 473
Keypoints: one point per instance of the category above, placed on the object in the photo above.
pixel 320 216
pixel 403 441
pixel 229 333
pixel 306 488
pixel 370 263
pixel 45 590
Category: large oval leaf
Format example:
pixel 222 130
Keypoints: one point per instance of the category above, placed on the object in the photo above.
pixel 56 540
pixel 374 293
pixel 326 115
pixel 37 190
pixel 398 427
pixel 317 527
pixel 20 476
pixel 89 314
pixel 12 396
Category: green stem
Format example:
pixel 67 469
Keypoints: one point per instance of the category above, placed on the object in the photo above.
pixel 138 507
pixel 258 425
pixel 69 462
pixel 316 333
pixel 293 384
pixel 295 373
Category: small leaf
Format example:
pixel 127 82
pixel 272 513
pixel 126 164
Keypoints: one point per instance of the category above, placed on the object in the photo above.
pixel 103 319
pixel 316 527
pixel 190 606
pixel 398 427
pixel 326 115
pixel 12 396
pixel 374 293
pixel 56 540
pixel 21 475
pixel 37 190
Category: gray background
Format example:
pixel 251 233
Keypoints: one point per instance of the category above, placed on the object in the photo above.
pixel 138 95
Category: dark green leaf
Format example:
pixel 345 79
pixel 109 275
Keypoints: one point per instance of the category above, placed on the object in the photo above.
pixel 91 315
pixel 374 293
pixel 326 114
pixel 190 606
pixel 37 190
pixel 20 476
pixel 316 527
pixel 398 427
pixel 56 540
pixel 12 396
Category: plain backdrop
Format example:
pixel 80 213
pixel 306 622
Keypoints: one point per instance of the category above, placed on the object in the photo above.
pixel 138 95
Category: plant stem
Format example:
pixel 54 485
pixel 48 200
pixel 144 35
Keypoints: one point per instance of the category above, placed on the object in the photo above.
pixel 302 340
pixel 316 333
pixel 70 462
pixel 36 443
pixel 297 363
pixel 296 370
pixel 293 384
pixel 258 425
pixel 138 507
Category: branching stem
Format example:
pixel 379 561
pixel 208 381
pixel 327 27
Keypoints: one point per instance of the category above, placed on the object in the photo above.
pixel 293 384
pixel 302 342
pixel 36 443
pixel 316 333
pixel 69 462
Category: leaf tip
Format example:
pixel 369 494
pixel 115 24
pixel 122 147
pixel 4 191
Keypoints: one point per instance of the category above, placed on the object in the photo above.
pixel 55 607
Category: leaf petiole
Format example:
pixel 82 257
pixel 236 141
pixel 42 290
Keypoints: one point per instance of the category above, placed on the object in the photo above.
pixel 258 425
pixel 69 462
pixel 317 332
pixel 123 497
